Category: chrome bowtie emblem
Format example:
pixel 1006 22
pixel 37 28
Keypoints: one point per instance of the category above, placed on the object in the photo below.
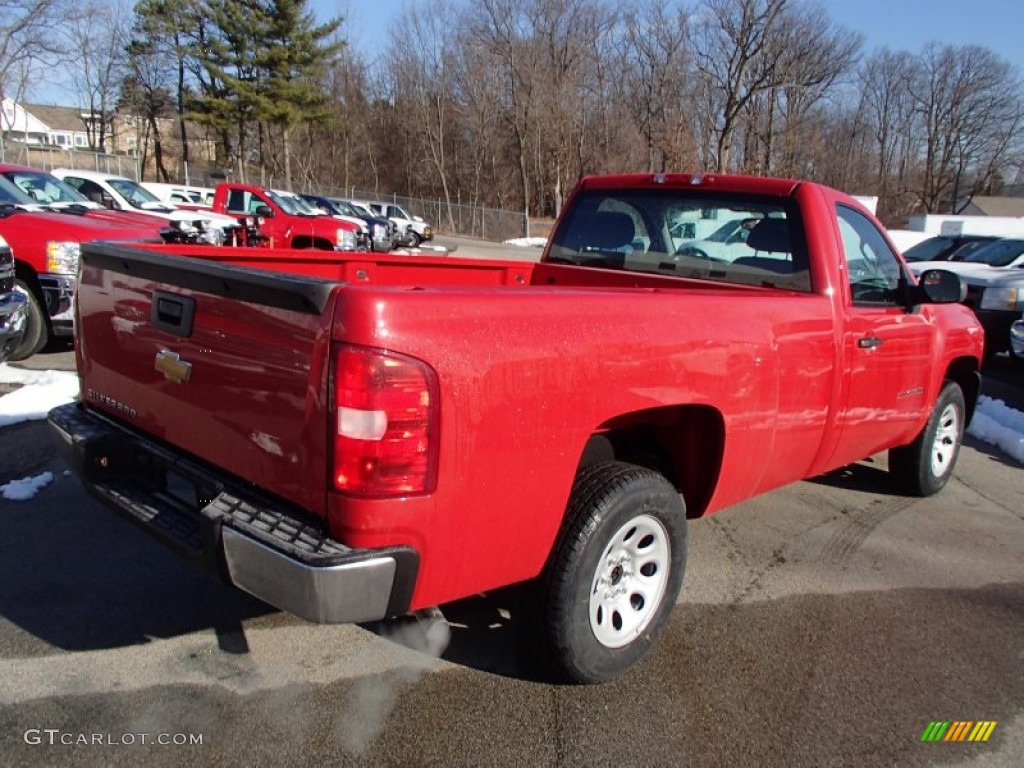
pixel 173 367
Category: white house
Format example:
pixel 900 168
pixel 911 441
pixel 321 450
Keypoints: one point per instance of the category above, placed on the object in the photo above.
pixel 44 125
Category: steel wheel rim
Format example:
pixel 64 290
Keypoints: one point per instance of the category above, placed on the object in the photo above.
pixel 630 581
pixel 947 435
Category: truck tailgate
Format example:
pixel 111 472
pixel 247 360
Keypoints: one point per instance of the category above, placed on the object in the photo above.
pixel 227 364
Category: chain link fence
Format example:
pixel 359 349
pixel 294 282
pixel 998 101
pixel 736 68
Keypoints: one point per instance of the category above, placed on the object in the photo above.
pixel 48 158
pixel 455 219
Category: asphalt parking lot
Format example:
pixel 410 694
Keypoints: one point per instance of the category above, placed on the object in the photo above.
pixel 823 624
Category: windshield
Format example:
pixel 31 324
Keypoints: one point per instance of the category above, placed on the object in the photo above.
pixel 132 192
pixel 932 249
pixel 668 232
pixel 1001 253
pixel 322 204
pixel 13 195
pixel 44 188
pixel 945 248
pixel 292 204
pixel 345 208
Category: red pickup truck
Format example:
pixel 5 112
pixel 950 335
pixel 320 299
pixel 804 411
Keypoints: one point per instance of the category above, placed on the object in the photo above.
pixel 285 220
pixel 46 247
pixel 358 436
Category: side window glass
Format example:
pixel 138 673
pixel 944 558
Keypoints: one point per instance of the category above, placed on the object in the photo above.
pixel 236 201
pixel 90 189
pixel 872 269
pixel 256 202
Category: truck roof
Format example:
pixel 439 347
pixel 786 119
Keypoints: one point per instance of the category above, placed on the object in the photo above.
pixel 91 175
pixel 724 182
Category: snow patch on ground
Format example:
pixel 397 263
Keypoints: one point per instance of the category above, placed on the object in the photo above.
pixel 26 488
pixel 997 424
pixel 40 391
pixel 527 242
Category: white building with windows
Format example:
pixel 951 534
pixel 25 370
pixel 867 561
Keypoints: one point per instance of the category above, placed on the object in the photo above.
pixel 42 125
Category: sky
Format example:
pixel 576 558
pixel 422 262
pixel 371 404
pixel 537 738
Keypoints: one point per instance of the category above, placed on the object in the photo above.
pixel 899 24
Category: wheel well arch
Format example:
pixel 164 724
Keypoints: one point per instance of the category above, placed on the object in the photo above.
pixel 685 443
pixel 965 372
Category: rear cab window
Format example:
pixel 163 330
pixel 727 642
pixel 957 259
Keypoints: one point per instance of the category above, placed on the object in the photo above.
pixel 697 234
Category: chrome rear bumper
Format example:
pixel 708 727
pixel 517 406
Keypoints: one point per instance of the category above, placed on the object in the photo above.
pixel 255 542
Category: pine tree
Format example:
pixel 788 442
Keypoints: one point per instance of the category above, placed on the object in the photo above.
pixel 296 55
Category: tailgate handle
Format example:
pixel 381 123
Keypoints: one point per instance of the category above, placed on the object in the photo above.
pixel 173 314
pixel 870 342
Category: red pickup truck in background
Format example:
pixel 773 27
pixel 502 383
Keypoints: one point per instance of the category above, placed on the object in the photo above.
pixel 44 191
pixel 46 247
pixel 368 436
pixel 283 222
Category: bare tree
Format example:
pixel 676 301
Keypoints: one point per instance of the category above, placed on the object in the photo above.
pixel 146 93
pixel 97 32
pixel 26 35
pixel 969 107
pixel 26 43
pixel 480 91
pixel 568 37
pixel 504 27
pixel 738 49
pixel 424 82
pixel 655 66
pixel 817 55
pixel 887 109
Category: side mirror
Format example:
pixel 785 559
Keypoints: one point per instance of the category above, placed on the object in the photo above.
pixel 265 211
pixel 940 286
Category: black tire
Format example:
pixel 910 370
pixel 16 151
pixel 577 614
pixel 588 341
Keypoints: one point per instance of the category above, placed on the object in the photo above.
pixel 36 330
pixel 614 574
pixel 414 240
pixel 925 466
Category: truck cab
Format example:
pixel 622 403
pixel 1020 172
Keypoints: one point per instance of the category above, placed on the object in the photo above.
pixel 287 222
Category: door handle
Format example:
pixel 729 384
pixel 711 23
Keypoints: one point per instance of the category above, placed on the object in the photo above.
pixel 173 313
pixel 870 342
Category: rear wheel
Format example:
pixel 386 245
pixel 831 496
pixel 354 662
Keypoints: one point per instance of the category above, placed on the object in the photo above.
pixel 36 334
pixel 614 574
pixel 925 466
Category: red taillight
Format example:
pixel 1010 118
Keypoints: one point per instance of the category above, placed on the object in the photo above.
pixel 385 423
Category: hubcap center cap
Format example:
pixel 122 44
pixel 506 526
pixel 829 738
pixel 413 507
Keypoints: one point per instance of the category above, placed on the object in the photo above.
pixel 616 575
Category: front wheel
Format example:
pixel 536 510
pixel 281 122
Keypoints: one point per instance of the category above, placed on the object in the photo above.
pixel 925 466
pixel 614 574
pixel 36 332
